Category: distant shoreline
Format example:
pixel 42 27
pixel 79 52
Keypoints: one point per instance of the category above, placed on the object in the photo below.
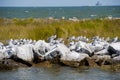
pixel 63 18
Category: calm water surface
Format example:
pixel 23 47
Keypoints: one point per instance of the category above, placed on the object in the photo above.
pixel 58 73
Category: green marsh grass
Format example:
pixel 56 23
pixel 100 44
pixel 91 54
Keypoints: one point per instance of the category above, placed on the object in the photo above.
pixel 43 28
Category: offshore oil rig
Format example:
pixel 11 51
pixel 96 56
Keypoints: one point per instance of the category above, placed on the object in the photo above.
pixel 98 3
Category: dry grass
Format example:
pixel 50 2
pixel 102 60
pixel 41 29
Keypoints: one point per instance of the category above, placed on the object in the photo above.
pixel 43 28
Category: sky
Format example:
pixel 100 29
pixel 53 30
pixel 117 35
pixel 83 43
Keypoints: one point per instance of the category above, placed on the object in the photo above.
pixel 36 3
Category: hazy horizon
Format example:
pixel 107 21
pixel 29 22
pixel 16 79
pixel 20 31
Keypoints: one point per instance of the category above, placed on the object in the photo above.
pixel 56 3
pixel 60 6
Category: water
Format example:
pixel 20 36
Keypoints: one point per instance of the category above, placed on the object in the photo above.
pixel 58 73
pixel 58 12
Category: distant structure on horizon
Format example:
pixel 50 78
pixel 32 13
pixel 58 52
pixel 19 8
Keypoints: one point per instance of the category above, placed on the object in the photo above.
pixel 98 3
